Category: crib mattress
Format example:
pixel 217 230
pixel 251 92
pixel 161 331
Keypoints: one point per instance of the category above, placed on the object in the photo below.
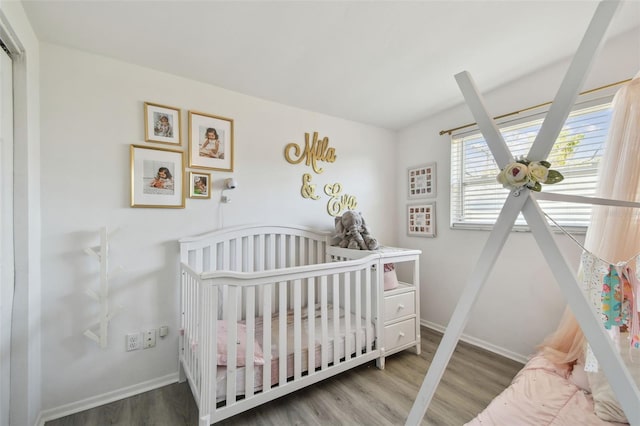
pixel 366 333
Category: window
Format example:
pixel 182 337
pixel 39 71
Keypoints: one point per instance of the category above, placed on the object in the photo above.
pixel 476 196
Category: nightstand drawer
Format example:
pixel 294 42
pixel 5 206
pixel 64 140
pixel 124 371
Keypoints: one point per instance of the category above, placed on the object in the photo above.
pixel 399 306
pixel 399 334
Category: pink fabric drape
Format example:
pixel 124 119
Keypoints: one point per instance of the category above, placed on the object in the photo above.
pixel 614 232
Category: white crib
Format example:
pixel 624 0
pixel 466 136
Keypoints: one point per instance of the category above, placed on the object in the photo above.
pixel 268 302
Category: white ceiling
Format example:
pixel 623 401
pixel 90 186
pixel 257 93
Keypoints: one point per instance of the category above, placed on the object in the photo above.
pixel 387 63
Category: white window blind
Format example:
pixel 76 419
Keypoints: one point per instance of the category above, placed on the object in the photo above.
pixel 476 196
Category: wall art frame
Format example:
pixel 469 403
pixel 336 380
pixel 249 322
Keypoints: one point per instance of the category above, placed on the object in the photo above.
pixel 162 124
pixel 210 142
pixel 421 220
pixel 199 185
pixel 157 177
pixel 421 181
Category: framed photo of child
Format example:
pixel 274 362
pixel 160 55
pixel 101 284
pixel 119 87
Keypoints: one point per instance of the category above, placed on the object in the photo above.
pixel 157 177
pixel 199 185
pixel 161 124
pixel 210 142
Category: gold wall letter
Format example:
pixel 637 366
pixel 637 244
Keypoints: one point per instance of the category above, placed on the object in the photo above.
pixel 316 150
pixel 307 190
pixel 337 203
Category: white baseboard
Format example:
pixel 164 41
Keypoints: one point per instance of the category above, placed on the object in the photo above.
pixel 105 398
pixel 480 343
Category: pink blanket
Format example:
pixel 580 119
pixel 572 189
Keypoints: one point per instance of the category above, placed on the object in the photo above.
pixel 540 394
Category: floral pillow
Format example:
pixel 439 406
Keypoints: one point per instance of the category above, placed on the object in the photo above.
pixel 241 345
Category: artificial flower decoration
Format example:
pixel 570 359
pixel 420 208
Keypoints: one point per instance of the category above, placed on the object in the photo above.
pixel 523 173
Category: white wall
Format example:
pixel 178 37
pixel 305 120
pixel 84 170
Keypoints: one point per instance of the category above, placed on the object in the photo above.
pixel 92 110
pixel 521 301
pixel 25 328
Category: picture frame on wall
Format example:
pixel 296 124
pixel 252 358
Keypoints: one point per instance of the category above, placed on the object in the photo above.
pixel 162 124
pixel 421 220
pixel 210 142
pixel 157 177
pixel 421 181
pixel 199 185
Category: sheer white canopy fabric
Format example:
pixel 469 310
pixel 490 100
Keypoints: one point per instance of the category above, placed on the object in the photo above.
pixel 614 232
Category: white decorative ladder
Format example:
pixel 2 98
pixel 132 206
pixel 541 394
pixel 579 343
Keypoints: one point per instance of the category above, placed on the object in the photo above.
pixel 621 381
pixel 98 332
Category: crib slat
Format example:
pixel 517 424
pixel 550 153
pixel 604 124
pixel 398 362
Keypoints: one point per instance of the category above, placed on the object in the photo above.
pixel 322 249
pixel 336 317
pixel 347 316
pixel 282 251
pixel 291 261
pixel 198 261
pixel 204 347
pixel 291 249
pixel 260 253
pixel 250 347
pixel 237 257
pixel 266 337
pixel 213 257
pixel 368 303
pixel 212 330
pixel 226 261
pixel 194 330
pixel 358 313
pixel 311 332
pixel 311 252
pixel 193 337
pixel 324 321
pixel 259 266
pixel 282 335
pixel 232 347
pixel 271 252
pixel 250 255
pixel 297 329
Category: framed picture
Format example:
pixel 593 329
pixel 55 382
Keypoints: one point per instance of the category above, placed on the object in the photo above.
pixel 157 177
pixel 210 142
pixel 199 185
pixel 421 220
pixel 161 124
pixel 422 181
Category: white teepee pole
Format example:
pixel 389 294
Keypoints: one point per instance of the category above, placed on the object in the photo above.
pixel 460 316
pixel 573 80
pixel 540 150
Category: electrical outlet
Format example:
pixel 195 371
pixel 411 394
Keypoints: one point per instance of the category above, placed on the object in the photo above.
pixel 149 339
pixel 133 342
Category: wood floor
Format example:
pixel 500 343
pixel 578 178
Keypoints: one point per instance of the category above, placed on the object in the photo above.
pixel 362 396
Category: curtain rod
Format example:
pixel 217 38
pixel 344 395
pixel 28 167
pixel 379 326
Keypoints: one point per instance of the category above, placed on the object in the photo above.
pixel 442 132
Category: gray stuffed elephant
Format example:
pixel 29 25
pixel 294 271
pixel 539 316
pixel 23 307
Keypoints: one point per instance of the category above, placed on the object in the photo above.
pixel 352 232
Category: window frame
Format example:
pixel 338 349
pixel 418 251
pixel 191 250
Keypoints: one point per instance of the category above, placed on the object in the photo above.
pixel 509 122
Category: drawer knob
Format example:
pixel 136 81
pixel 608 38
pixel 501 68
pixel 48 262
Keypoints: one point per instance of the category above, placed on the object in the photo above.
pixel 400 306
pixel 401 334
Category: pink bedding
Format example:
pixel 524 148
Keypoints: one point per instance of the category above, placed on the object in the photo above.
pixel 541 394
